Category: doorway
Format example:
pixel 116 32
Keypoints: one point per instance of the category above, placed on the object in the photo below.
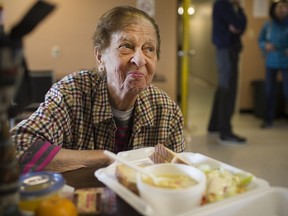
pixel 202 78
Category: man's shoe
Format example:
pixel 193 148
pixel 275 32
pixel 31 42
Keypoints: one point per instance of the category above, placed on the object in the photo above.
pixel 232 139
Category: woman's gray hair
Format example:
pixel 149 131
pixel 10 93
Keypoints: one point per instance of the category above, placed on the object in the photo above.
pixel 115 20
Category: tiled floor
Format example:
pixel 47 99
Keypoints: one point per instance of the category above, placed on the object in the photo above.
pixel 266 152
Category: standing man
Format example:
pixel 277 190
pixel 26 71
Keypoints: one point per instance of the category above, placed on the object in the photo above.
pixel 229 23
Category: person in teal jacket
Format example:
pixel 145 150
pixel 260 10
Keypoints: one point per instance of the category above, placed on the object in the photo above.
pixel 273 41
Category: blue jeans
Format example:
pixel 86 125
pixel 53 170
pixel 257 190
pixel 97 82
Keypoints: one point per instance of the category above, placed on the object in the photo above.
pixel 225 96
pixel 270 90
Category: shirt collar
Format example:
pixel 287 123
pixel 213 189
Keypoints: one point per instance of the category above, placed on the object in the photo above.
pixel 102 110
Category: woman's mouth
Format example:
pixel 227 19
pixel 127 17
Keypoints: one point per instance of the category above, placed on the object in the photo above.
pixel 136 74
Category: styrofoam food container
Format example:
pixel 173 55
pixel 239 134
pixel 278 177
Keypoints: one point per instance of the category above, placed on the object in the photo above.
pixel 269 202
pixel 141 156
pixel 170 201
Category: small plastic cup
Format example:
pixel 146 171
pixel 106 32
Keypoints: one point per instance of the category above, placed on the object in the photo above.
pixel 36 187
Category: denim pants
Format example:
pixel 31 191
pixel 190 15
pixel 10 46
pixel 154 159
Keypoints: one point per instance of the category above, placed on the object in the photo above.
pixel 225 96
pixel 270 91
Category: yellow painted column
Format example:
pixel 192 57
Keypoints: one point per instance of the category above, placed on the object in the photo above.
pixel 185 65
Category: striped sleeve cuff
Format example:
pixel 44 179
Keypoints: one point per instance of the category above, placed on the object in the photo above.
pixel 37 156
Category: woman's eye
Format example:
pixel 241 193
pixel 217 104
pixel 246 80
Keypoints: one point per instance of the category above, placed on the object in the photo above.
pixel 150 50
pixel 127 46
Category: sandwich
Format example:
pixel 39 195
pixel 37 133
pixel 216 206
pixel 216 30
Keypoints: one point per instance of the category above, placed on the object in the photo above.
pixel 163 154
pixel 127 177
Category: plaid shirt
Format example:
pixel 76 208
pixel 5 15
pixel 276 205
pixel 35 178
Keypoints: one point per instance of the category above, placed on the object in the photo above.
pixel 77 115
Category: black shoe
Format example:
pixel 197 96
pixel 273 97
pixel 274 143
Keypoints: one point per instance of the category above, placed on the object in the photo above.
pixel 232 139
pixel 266 125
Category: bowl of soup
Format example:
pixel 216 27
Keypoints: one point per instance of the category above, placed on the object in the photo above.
pixel 180 188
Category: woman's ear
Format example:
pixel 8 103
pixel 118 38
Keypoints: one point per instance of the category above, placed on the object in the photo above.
pixel 97 54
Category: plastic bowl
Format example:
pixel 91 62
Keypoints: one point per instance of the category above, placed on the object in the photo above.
pixel 169 201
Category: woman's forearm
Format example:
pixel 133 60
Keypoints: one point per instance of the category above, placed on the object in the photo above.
pixel 67 160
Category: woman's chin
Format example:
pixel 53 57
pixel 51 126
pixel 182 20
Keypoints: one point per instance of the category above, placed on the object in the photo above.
pixel 137 89
pixel 137 86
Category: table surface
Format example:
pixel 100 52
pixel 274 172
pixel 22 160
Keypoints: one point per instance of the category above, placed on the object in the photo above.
pixel 85 178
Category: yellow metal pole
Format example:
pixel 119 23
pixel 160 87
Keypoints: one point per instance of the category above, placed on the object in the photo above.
pixel 185 65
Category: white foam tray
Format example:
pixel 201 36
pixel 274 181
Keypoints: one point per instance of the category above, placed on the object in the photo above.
pixel 247 203
pixel 268 202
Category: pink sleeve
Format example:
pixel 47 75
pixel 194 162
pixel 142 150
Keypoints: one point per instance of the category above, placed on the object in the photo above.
pixel 38 156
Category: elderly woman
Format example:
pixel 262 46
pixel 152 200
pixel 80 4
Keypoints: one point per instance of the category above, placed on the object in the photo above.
pixel 114 108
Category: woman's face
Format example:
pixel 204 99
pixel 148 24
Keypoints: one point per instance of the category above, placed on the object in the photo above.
pixel 281 10
pixel 130 60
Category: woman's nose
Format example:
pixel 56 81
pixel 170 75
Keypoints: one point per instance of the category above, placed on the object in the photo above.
pixel 138 58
